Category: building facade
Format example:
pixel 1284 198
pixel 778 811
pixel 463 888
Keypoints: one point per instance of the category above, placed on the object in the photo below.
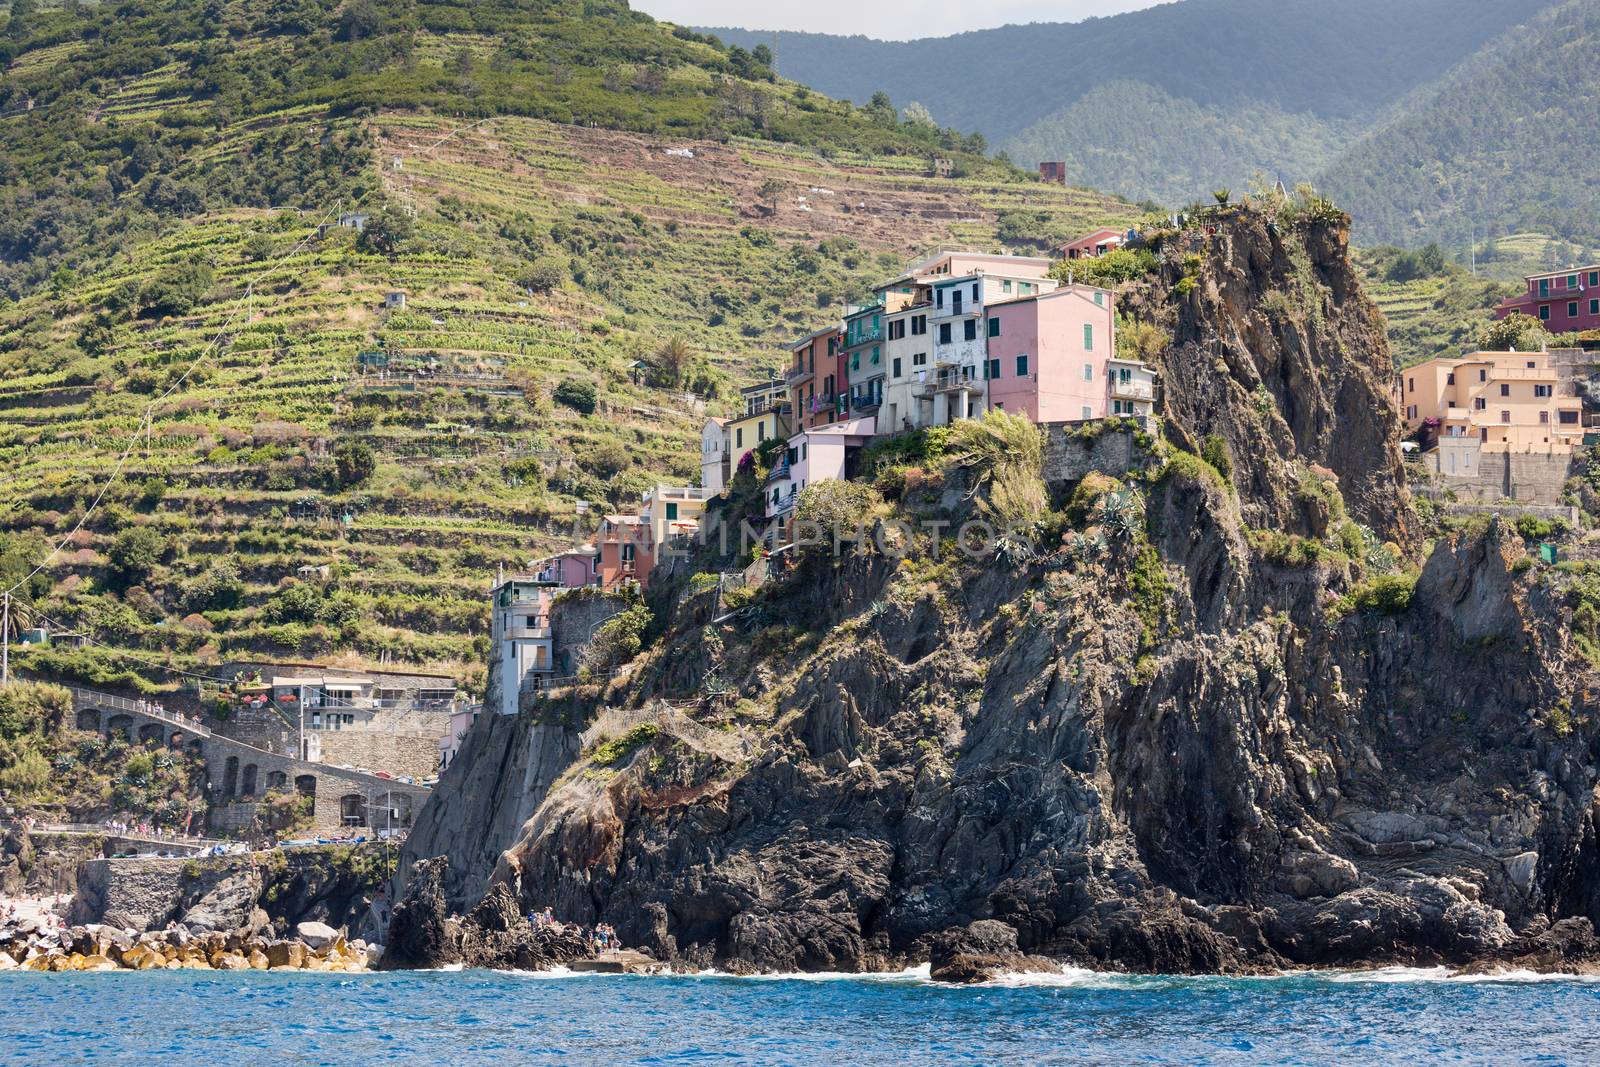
pixel 815 378
pixel 766 415
pixel 1048 355
pixel 716 461
pixel 1566 301
pixel 1093 245
pixel 1502 401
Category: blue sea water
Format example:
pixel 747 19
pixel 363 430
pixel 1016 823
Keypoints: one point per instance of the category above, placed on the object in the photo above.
pixel 478 1017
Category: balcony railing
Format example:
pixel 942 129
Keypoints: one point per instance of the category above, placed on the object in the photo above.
pixel 1132 390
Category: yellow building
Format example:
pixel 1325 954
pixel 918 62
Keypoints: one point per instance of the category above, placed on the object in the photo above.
pixel 1506 401
pixel 766 416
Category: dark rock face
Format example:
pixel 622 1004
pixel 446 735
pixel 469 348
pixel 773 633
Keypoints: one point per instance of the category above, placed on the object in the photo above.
pixel 421 934
pixel 1184 764
pixel 496 934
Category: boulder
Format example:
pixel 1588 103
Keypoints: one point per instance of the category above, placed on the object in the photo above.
pixel 97 962
pixel 316 935
pixel 978 952
pixel 230 961
pixel 289 954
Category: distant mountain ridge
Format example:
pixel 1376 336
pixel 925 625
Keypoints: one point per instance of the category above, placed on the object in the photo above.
pixel 1174 100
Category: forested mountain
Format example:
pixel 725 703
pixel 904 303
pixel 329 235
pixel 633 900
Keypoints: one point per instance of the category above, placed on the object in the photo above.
pixel 1505 143
pixel 1171 100
pixel 204 204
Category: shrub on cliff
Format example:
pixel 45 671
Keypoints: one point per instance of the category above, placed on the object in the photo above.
pixel 1005 452
pixel 618 640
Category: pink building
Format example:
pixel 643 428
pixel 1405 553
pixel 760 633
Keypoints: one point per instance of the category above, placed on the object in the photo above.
pixel 1566 301
pixel 1048 354
pixel 814 456
pixel 570 569
pixel 1094 244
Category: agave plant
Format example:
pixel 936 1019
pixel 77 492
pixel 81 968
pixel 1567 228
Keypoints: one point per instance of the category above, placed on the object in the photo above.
pixel 1120 514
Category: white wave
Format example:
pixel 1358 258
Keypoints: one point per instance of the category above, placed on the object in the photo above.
pixel 1382 975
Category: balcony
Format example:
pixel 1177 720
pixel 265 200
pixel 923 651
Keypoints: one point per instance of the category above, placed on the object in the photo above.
pixel 797 375
pixel 1131 390
pixel 521 632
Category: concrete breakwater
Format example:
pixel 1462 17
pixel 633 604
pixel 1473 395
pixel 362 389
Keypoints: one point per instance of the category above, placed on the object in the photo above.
pixel 29 945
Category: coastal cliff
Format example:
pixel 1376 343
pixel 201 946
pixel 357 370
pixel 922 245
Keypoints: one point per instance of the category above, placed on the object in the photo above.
pixel 1233 714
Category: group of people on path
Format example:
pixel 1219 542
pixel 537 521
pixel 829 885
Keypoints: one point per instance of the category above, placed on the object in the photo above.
pixel 602 937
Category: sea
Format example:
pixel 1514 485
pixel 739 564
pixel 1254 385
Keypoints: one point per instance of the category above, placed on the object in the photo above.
pixel 237 1019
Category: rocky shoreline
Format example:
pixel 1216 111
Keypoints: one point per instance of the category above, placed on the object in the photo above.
pixel 30 945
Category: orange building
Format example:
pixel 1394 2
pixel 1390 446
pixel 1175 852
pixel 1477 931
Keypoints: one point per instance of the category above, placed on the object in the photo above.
pixel 1507 401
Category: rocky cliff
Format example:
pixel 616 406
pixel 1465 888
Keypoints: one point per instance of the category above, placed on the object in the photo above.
pixel 1222 720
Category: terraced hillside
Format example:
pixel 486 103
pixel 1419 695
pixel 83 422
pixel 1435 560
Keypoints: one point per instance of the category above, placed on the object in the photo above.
pixel 1435 306
pixel 532 255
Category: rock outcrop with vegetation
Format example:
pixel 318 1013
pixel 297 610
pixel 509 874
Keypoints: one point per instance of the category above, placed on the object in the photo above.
pixel 1228 714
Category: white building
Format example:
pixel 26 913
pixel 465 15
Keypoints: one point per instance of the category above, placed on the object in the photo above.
pixel 1132 386
pixel 522 636
pixel 715 456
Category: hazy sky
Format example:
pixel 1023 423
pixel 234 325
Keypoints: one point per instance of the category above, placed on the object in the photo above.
pixel 886 19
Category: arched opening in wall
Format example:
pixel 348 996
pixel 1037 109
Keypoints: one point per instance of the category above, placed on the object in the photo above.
pixel 353 809
pixel 230 776
pixel 247 784
pixel 195 748
pixel 403 808
pixel 120 724
pixel 89 720
pixel 306 786
pixel 176 740
pixel 276 779
pixel 150 733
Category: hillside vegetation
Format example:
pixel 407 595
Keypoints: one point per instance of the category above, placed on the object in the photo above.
pixel 1173 100
pixel 183 390
pixel 1503 145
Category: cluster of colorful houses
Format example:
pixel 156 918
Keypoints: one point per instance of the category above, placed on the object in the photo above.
pixel 1496 425
pixel 954 336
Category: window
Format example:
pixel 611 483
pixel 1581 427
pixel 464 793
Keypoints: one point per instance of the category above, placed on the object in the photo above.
pixel 1544 312
pixel 1594 307
pixel 855 361
pixel 994 327
pixel 895 368
pixel 1411 412
pixel 994 369
pixel 1505 390
pixel 1572 309
pixel 919 324
pixel 1568 418
pixel 761 432
pixel 1480 404
pixel 627 551
pixel 1594 279
pixel 955 302
pixel 1087 413
pixel 969 330
pixel 1005 286
pixel 1450 379
pixel 1541 390
pixel 974 292
pixel 920 359
pixel 672 511
pixel 1544 418
pixel 938 298
pixel 1411 385
pixel 1022 365
pixel 1088 372
pixel 738 438
pixel 1026 289
pixel 1099 300
pixel 1544 286
pixel 1088 337
pixel 875 325
pixel 897 329
pixel 876 358
pixel 1505 416
pixel 1483 374
pixel 944 333
pixel 1572 281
